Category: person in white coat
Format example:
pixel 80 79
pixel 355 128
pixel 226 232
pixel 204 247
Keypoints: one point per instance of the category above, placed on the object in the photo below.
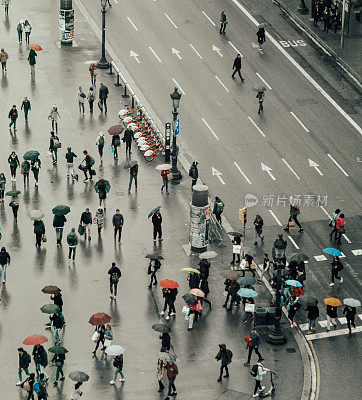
pixel 81 99
pixel 100 143
pixel 259 376
pixel 76 393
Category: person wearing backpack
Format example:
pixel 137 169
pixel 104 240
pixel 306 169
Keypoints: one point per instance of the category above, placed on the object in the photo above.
pixel 172 372
pixel 81 99
pixel 332 222
pixel 100 143
pixel 118 364
pixel 89 162
pixel 28 385
pixel 24 362
pixel 218 209
pixel 294 211
pixel 72 240
pixel 116 142
pixel 337 266
pixel 19 28
pixel 27 30
pixel 257 371
pixel 255 343
pixel 194 173
pixel 157 225
pixel 40 387
pixel 225 356
pixel 114 275
pixel 54 145
pixel 91 98
pixel 25 169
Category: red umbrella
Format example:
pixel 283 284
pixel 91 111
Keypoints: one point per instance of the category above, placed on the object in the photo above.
pixel 115 130
pixel 35 47
pixel 99 319
pixel 168 284
pixel 35 339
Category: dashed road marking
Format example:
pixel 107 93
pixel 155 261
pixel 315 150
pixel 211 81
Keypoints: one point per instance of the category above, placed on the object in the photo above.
pixel 221 83
pixel 242 173
pixel 344 172
pixel 208 17
pixel 131 22
pixel 300 122
pixel 264 81
pixel 174 81
pixel 322 257
pixel 235 48
pixel 357 252
pixel 215 135
pixel 170 20
pixel 256 126
pixel 290 168
pixel 328 334
pixel 193 48
pixel 276 218
pixel 292 240
pixel 154 53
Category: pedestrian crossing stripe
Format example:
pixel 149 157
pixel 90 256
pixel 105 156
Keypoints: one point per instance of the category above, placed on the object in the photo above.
pixel 322 257
pixel 338 332
pixel 323 324
pixel 357 252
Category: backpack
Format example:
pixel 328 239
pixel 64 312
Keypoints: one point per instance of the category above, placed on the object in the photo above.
pixel 254 370
pixel 36 387
pixel 219 207
pixel 114 277
pixel 92 161
pixel 117 142
pixel 230 353
pixel 82 95
pixel 56 143
pixel 101 141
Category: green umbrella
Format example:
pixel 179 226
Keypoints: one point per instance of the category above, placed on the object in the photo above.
pixel 61 210
pixel 299 257
pixel 31 155
pixel 13 192
pixel 50 309
pixel 58 350
pixel 246 281
pixel 36 215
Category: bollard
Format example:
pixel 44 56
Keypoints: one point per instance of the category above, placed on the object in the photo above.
pixel 125 95
pixel 117 83
pixel 110 69
pixel 199 219
pixel 132 102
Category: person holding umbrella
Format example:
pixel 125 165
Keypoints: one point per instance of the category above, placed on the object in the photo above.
pixel 100 329
pixel 153 266
pixel 117 222
pixel 157 225
pixel 14 163
pixel 114 275
pixel 2 186
pixel 332 304
pixel 350 313
pixel 337 266
pixel 57 320
pixel 260 96
pixel 14 202
pixel 58 223
pixel 118 364
pixel 165 173
pixel 58 360
pixel 4 261
pixel 26 106
pixel 166 294
pixel 35 167
pixel 72 240
pixel 25 169
pixel 133 173
pixel 261 36
pixel 32 60
pixel 102 187
pixel 76 392
pixel 194 280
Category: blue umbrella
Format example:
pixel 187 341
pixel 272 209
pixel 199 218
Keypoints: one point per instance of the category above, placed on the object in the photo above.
pixel 247 292
pixel 332 251
pixel 352 302
pixel 294 283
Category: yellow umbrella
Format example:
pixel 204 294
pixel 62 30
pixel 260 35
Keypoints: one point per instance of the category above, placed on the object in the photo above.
pixel 188 270
pixel 332 301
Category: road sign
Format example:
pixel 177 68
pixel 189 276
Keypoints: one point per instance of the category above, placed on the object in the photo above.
pixel 176 127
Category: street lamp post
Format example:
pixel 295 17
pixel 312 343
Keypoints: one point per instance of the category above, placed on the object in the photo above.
pixel 276 335
pixel 175 96
pixel 103 63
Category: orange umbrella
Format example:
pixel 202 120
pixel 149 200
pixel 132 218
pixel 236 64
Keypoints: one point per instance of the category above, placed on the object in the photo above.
pixel 35 339
pixel 332 301
pixel 168 284
pixel 35 47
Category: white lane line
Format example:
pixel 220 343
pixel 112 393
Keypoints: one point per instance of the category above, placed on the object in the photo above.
pixel 266 83
pixel 235 48
pixel 242 173
pixel 292 240
pixel 115 1
pixel 325 212
pixel 290 168
pixel 345 236
pixel 301 70
pixel 153 51
pixel 174 81
pixel 216 137
pixel 170 20
pixel 328 334
pixel 345 173
pixel 130 21
pixel 208 17
pixel 222 84
pixel 193 48
pixel 275 217
pixel 256 126
pixel 301 123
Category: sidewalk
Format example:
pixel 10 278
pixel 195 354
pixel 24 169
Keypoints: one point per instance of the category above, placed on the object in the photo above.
pixel 349 57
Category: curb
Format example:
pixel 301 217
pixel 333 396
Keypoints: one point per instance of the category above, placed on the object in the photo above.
pixel 351 75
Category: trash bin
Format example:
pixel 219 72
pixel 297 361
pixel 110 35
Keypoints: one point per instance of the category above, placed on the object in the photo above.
pixel 260 316
pixel 271 315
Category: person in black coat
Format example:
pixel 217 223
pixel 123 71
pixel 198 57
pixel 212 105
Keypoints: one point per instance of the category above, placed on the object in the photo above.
pixel 103 95
pixel 194 280
pixel 350 314
pixel 224 355
pixel 204 286
pixel 13 115
pixel 237 67
pixel 4 261
pixel 261 36
pixel 116 142
pixel 40 359
pixel 165 342
pixel 204 267
pixel 86 221
pixel 157 225
pixel 313 314
pixel 133 173
pixel 223 23
pixel 57 300
pixel 236 242
pixel 128 136
pixel 194 173
pixel 231 287
pixel 170 296
pixel 101 330
pixel 114 275
pixel 39 230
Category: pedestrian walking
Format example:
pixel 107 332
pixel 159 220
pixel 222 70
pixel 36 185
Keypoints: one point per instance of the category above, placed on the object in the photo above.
pixel 100 330
pixel 313 314
pixel 153 267
pixel 128 136
pixel 194 173
pixel 6 3
pixel 100 144
pixel 57 322
pixel 231 287
pixel 103 95
pixel 28 385
pixel 260 96
pixel 54 145
pixel 42 384
pixel 332 223
pixel 237 68
pixel 35 167
pixel 3 59
pixel 340 228
pixel 57 300
pixel 40 358
pixel 172 372
pixel 14 204
pixel 165 342
pixel 14 163
pixel 316 12
pixel 118 364
pixel 225 356
pixel 337 266
pixel 249 308
pixel 39 230
pixel 260 370
pixel 53 117
pixel 69 156
pixel 99 219
pixel 81 99
pixel 86 221
pixel 88 162
pixel 223 23
pixel 294 211
pixel 117 222
pixel 26 106
pixel 4 261
pixel 190 315
pixel 292 307
pixel 266 265
pixel 350 314
pixel 93 72
pixel 116 142
pixel 133 173
pixel 72 240
pixel 261 36
pixel 157 225
pixel 27 31
pixel 258 224
pixel 204 286
pixel 114 276
pixel 165 175
pixel 194 280
pixel 76 392
pixel 19 28
pixel 326 19
pixel 32 61
pixel 25 169
pixel 170 297
pixel 218 209
pixel 331 316
pixel 204 268
pixel 58 360
pixel 13 116
pixel 102 187
pixel 254 345
pixel 160 372
pixel 2 187
pixel 91 98
pixel 24 362
pixel 108 338
pixel 58 224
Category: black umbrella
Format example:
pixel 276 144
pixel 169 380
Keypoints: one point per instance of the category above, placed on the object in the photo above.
pixel 162 328
pixel 307 301
pixel 13 192
pixel 299 257
pixel 58 350
pixel 154 257
pixel 190 299
pixel 153 211
pixel 78 376
pixel 237 234
pixel 61 210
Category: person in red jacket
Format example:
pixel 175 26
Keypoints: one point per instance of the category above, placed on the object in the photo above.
pixel 339 228
pixel 172 372
pixel 164 175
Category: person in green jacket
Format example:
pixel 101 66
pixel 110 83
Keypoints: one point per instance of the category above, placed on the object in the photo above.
pixel 72 240
pixel 25 168
pixel 58 224
pixel 39 230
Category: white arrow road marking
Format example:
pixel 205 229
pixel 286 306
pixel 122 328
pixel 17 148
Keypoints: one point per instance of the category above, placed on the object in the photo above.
pixel 242 173
pixel 217 173
pixel 135 55
pixel 345 173
pixel 315 165
pixel 193 48
pixel 153 51
pixel 208 17
pixel 290 168
pixel 216 137
pixel 222 84
pixel 214 48
pixel 129 19
pixel 264 81
pixel 275 217
pixel 174 81
pixel 170 20
pixel 174 51
pixel 256 126
pixel 300 122
pixel 235 48
pixel 267 169
pixel 292 240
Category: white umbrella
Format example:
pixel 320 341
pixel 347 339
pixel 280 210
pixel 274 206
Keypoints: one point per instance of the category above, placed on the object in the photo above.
pixel 115 350
pixel 208 254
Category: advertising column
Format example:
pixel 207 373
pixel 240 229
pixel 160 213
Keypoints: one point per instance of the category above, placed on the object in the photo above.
pixel 199 219
pixel 66 21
